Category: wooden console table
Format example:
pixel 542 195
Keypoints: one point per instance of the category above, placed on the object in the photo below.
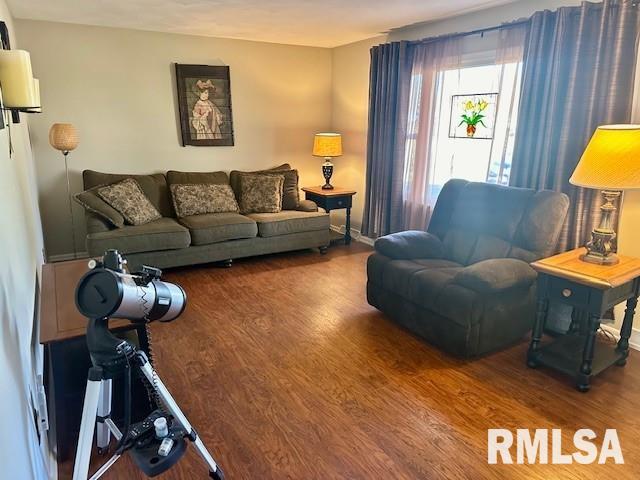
pixel 62 332
pixel 592 289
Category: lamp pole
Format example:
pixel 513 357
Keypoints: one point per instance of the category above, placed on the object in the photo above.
pixel 73 226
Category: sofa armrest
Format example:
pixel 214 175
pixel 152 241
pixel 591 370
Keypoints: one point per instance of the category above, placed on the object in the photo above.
pixel 307 206
pixel 410 244
pixel 495 275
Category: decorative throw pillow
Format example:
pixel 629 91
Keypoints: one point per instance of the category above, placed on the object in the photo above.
pixel 90 200
pixel 128 199
pixel 290 190
pixel 261 193
pixel 202 198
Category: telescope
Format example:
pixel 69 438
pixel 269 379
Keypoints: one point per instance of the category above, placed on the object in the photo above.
pixel 157 442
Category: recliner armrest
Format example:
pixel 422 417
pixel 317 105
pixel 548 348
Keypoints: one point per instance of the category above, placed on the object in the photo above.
pixel 409 245
pixel 495 275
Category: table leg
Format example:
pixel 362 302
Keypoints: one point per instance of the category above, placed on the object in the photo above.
pixel 625 331
pixel 538 327
pixel 587 354
pixel 347 233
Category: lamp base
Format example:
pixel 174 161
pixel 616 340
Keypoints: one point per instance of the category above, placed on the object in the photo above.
pixel 327 171
pixel 590 257
pixel 600 250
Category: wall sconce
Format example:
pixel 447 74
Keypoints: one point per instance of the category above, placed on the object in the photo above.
pixel 20 91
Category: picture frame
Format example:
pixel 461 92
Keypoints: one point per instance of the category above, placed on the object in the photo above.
pixel 473 115
pixel 204 104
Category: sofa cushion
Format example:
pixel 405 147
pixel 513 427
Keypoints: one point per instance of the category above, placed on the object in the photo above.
pixel 219 227
pixel 290 190
pixel 128 198
pixel 162 234
pixel 217 178
pixel 154 187
pixel 260 193
pixel 92 203
pixel 192 199
pixel 289 221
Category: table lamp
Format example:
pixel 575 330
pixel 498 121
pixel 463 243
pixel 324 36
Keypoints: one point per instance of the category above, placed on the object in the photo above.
pixel 64 137
pixel 611 163
pixel 327 145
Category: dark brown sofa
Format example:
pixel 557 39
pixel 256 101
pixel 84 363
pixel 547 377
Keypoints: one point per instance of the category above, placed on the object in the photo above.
pixel 171 241
pixel 466 285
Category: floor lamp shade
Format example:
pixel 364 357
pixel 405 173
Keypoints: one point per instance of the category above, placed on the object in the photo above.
pixel 63 137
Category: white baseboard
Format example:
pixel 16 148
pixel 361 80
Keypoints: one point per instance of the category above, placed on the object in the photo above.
pixel 63 257
pixel 634 340
pixel 355 234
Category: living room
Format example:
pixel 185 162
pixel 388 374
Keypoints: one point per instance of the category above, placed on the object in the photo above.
pixel 382 239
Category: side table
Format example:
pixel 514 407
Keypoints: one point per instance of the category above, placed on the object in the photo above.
pixel 334 199
pixel 592 289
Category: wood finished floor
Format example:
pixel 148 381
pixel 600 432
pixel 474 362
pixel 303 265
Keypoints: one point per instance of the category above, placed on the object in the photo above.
pixel 287 373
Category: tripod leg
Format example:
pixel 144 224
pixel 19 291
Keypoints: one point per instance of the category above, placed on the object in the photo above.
pixel 103 434
pixel 214 471
pixel 85 439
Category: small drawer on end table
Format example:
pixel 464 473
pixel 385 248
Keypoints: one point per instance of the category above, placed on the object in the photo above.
pixel 568 292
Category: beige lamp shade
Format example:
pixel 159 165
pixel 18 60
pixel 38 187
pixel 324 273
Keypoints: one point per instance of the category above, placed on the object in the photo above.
pixel 16 80
pixel 63 136
pixel 327 145
pixel 611 160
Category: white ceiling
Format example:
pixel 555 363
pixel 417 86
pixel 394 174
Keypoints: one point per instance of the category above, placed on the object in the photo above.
pixel 322 23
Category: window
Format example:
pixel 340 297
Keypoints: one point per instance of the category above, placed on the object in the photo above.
pixel 475 159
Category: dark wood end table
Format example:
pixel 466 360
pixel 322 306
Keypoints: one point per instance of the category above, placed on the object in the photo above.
pixel 592 290
pixel 334 199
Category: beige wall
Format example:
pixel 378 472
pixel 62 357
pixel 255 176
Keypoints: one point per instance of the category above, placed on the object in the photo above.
pixel 20 262
pixel 117 86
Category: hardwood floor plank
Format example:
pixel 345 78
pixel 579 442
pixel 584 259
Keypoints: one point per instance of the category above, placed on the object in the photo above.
pixel 287 372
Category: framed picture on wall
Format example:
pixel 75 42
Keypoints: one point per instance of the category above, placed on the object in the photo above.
pixel 473 116
pixel 204 103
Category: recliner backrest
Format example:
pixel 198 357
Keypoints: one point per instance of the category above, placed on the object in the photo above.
pixel 478 221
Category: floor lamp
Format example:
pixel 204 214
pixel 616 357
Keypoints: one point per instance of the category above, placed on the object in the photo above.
pixel 64 137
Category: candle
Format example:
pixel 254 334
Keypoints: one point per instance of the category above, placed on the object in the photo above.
pixel 16 80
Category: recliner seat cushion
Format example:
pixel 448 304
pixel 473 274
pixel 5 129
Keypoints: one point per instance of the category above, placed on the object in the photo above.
pixel 162 234
pixel 219 227
pixel 289 221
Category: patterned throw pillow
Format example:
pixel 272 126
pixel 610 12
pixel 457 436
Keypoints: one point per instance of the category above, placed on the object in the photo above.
pixel 261 193
pixel 128 199
pixel 190 199
pixel 91 202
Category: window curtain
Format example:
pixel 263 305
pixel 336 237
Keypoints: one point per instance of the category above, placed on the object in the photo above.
pixel 578 73
pixel 428 60
pixel 389 84
pixel 403 114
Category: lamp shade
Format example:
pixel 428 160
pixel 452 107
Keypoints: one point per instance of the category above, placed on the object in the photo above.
pixel 327 145
pixel 611 160
pixel 16 80
pixel 63 136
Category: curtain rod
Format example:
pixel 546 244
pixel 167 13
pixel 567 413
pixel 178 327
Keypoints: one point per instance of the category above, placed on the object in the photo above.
pixel 479 31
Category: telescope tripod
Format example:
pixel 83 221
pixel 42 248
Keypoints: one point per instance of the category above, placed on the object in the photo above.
pixel 97 409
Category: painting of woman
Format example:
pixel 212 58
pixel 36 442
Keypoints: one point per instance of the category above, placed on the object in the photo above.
pixel 204 103
pixel 206 117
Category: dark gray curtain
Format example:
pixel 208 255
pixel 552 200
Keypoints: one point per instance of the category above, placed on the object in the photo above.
pixel 389 87
pixel 578 73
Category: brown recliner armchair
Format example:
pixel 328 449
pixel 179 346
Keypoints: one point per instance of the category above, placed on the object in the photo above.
pixel 465 285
